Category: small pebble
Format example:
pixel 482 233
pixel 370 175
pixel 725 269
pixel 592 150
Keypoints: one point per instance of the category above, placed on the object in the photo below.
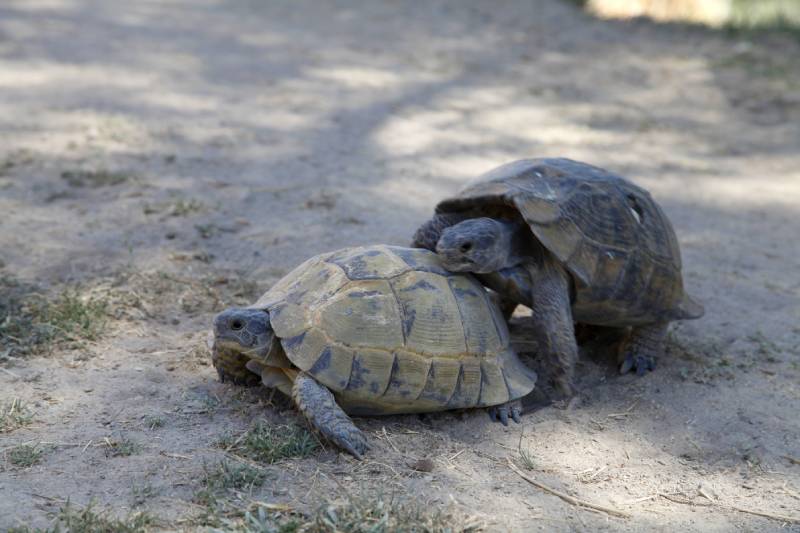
pixel 422 465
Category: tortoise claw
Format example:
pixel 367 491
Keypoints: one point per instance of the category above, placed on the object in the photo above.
pixel 639 363
pixel 352 442
pixel 502 412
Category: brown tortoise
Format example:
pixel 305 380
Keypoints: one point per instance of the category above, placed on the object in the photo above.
pixel 574 242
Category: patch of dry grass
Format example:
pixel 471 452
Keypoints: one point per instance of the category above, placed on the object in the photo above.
pixel 14 414
pixel 371 514
pixel 31 323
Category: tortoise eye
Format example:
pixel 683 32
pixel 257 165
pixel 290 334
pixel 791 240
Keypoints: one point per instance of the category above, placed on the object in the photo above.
pixel 237 324
pixel 466 247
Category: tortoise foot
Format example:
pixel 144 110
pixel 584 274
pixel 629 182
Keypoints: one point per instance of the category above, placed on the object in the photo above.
pixel 500 413
pixel 319 406
pixel 351 440
pixel 641 364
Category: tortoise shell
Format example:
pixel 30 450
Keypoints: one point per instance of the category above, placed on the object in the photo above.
pixel 388 330
pixel 610 234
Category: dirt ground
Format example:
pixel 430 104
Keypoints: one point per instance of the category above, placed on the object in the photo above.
pixel 176 157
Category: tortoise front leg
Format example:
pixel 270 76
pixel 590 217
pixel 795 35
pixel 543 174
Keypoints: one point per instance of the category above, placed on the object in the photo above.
pixel 428 234
pixel 552 319
pixel 642 348
pixel 319 406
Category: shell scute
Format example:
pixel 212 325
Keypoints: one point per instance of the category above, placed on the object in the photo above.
pixel 371 372
pixel 372 262
pixel 409 376
pixel 431 321
pixel 333 367
pixel 442 380
pixel 363 314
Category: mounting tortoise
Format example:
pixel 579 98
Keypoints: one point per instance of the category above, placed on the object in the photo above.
pixel 374 330
pixel 575 243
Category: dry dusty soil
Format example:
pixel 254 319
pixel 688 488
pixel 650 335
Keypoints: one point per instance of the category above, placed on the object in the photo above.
pixel 167 159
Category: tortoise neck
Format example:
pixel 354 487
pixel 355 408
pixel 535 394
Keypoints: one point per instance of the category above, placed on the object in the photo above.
pixel 518 240
pixel 275 355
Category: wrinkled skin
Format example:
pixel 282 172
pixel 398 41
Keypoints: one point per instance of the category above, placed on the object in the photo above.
pixel 479 245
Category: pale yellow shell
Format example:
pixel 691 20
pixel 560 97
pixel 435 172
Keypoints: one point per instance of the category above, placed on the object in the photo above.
pixel 388 330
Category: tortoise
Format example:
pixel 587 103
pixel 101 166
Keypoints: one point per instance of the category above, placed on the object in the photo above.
pixel 374 330
pixel 576 243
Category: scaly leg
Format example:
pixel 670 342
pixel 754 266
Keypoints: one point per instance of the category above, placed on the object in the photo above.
pixel 552 319
pixel 319 406
pixel 643 347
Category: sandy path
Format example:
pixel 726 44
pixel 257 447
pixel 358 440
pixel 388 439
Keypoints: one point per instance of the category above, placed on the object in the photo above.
pixel 251 136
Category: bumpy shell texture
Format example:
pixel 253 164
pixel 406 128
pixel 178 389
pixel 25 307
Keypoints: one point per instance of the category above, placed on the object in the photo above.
pixel 610 234
pixel 389 330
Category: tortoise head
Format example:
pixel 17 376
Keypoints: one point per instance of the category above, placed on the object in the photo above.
pixel 480 245
pixel 244 329
pixel 240 334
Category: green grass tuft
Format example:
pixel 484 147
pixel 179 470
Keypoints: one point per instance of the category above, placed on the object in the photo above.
pixel 87 520
pixel 123 447
pixel 527 459
pixel 225 476
pixel 178 208
pixel 233 475
pixel 152 422
pixel 781 15
pixel 94 178
pixel 26 455
pixel 269 444
pixel 13 415
pixel 75 317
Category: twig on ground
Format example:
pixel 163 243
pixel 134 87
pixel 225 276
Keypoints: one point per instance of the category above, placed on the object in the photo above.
pixel 642 499
pixel 714 503
pixel 566 497
pixel 386 436
pixel 625 413
pixel 782 518
pixel 10 373
pixel 791 459
pixel 456 454
pixel 677 498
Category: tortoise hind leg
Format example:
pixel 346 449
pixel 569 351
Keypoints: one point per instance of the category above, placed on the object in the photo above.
pixel 552 319
pixel 500 413
pixel 319 406
pixel 642 348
